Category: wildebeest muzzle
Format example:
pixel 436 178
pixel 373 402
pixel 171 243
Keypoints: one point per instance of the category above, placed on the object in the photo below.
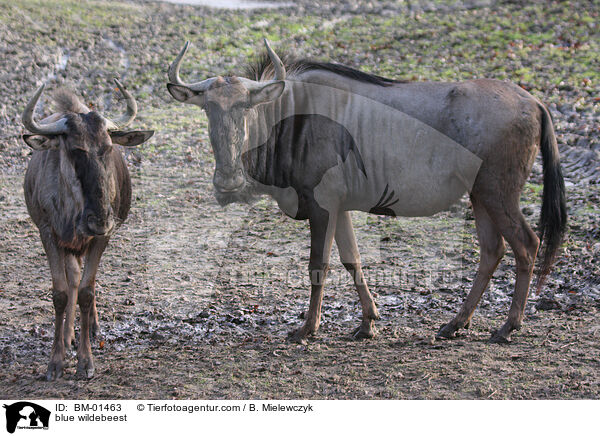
pixel 228 180
pixel 96 225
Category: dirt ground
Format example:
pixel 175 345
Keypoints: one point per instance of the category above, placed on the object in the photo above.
pixel 195 301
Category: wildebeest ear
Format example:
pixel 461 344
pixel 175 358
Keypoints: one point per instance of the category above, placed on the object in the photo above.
pixel 186 95
pixel 41 142
pixel 267 93
pixel 130 138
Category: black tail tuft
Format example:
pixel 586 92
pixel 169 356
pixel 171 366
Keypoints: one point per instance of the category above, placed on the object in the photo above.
pixel 553 219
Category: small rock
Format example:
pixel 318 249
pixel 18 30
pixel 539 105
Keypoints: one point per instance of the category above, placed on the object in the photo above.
pixel 547 304
pixel 157 336
pixel 527 210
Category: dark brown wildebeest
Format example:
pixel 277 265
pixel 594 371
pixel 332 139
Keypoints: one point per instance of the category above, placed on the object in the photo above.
pixel 417 147
pixel 77 190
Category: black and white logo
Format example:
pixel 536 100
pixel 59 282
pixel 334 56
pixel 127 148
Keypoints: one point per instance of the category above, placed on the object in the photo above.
pixel 26 415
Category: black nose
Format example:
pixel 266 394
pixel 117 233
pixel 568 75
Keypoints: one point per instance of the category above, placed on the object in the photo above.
pixel 99 226
pixel 228 180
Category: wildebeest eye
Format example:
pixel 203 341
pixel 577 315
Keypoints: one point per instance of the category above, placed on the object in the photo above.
pixel 79 150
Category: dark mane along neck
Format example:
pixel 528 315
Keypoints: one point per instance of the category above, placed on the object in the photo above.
pixel 262 69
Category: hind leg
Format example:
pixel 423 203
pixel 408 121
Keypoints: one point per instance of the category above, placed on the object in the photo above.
pixel 524 243
pixel 350 257
pixel 492 249
pixel 60 297
pixel 94 325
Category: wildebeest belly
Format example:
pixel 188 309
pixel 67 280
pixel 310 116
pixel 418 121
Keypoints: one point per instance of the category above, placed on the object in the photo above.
pixel 414 170
pixel 410 182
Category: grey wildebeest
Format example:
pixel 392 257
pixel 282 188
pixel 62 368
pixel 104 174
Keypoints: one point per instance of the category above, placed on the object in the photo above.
pixel 287 129
pixel 77 190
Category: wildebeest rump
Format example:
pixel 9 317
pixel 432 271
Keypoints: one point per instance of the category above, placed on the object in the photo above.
pixel 489 130
pixel 77 190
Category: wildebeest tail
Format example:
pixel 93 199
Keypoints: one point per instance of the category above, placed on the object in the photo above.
pixel 553 219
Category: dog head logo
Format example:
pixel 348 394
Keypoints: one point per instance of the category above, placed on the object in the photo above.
pixel 24 414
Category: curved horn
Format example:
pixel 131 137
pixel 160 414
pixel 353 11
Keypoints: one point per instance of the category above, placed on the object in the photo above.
pixel 128 117
pixel 277 64
pixel 174 67
pixel 174 73
pixel 55 128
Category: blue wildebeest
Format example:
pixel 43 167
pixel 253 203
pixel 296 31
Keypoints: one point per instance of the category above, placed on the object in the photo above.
pixel 77 190
pixel 287 130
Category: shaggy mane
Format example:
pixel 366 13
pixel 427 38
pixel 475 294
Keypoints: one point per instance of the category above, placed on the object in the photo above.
pixel 262 69
pixel 66 101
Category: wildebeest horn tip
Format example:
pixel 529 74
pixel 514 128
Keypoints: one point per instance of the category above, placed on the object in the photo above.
pixel 131 113
pixel 277 64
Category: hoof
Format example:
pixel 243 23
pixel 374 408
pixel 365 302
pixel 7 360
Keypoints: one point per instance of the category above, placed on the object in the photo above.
pixel 55 370
pixel 297 336
pixel 502 336
pixel 85 370
pixel 499 338
pixel 361 333
pixel 447 331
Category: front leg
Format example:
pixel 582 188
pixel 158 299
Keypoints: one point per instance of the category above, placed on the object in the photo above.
pixel 322 230
pixel 86 299
pixel 60 298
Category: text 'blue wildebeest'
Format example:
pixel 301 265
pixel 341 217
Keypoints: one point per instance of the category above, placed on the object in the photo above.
pixel 77 190
pixel 324 139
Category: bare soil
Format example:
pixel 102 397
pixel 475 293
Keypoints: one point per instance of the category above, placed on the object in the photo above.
pixel 195 301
